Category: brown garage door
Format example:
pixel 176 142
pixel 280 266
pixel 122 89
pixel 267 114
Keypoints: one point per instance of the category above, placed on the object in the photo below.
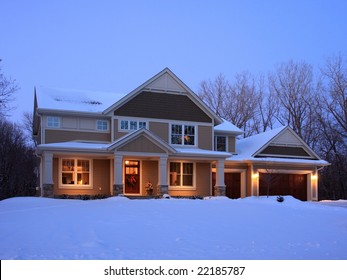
pixel 283 184
pixel 232 182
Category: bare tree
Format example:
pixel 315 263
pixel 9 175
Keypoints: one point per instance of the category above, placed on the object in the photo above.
pixel 332 115
pixel 213 93
pixel 335 73
pixel 234 101
pixel 27 127
pixel 8 87
pixel 292 85
pixel 267 108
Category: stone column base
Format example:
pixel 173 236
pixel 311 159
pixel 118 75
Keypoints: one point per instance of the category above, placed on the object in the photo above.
pixel 162 189
pixel 117 189
pixel 47 190
pixel 219 190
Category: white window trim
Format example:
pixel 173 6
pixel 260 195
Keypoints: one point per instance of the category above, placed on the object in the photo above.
pixel 183 125
pixel 130 120
pixel 226 142
pixel 107 125
pixel 59 122
pixel 75 186
pixel 181 187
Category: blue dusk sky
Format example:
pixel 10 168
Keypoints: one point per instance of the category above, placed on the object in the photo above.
pixel 115 46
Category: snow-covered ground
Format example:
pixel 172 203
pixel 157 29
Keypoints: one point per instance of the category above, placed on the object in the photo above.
pixel 216 228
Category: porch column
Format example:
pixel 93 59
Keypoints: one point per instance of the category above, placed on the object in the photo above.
pixel 219 188
pixel 118 175
pixel 163 187
pixel 47 178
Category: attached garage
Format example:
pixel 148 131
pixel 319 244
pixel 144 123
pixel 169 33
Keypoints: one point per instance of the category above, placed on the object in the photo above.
pixel 283 184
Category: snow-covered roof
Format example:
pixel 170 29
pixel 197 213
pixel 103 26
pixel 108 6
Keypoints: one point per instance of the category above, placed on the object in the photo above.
pixel 228 127
pixel 107 148
pixel 201 152
pixel 75 100
pixel 247 148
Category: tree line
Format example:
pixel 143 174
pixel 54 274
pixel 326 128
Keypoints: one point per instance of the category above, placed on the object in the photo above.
pixel 312 103
pixel 17 155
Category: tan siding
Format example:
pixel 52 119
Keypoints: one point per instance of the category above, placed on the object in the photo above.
pixel 203 182
pixel 101 176
pixel 87 124
pixel 54 136
pixel 149 173
pixel 231 144
pixel 141 144
pixel 68 122
pixel 160 129
pixel 163 106
pixel 205 137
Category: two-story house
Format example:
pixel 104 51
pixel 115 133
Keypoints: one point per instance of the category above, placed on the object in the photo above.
pixel 161 134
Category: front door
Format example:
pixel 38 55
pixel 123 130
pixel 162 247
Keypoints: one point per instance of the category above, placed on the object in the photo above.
pixel 132 176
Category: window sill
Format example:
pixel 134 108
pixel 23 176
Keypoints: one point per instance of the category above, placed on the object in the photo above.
pixel 79 187
pixel 181 188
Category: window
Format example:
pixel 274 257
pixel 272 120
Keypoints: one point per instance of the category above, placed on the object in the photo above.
pixel 53 122
pixel 102 125
pixel 181 174
pixel 132 125
pixel 76 172
pixel 183 134
pixel 124 125
pixel 220 143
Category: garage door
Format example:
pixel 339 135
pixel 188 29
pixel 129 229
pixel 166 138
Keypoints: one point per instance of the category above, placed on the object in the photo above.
pixel 232 183
pixel 283 184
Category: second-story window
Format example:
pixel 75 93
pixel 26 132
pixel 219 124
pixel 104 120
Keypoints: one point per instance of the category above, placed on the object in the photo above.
pixel 132 125
pixel 53 122
pixel 183 134
pixel 220 143
pixel 102 125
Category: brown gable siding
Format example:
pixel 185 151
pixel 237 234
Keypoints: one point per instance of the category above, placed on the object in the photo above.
pixel 141 144
pixel 55 136
pixel 160 129
pixel 163 106
pixel 205 137
pixel 285 151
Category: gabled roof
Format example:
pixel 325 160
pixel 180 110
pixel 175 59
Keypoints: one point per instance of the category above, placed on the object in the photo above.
pixel 251 147
pixel 166 81
pixel 141 132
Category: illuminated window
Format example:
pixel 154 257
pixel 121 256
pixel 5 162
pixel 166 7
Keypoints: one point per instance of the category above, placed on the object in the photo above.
pixel 76 172
pixel 53 122
pixel 183 134
pixel 181 174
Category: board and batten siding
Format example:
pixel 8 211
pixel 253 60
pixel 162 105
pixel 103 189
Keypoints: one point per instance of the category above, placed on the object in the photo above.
pixel 58 135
